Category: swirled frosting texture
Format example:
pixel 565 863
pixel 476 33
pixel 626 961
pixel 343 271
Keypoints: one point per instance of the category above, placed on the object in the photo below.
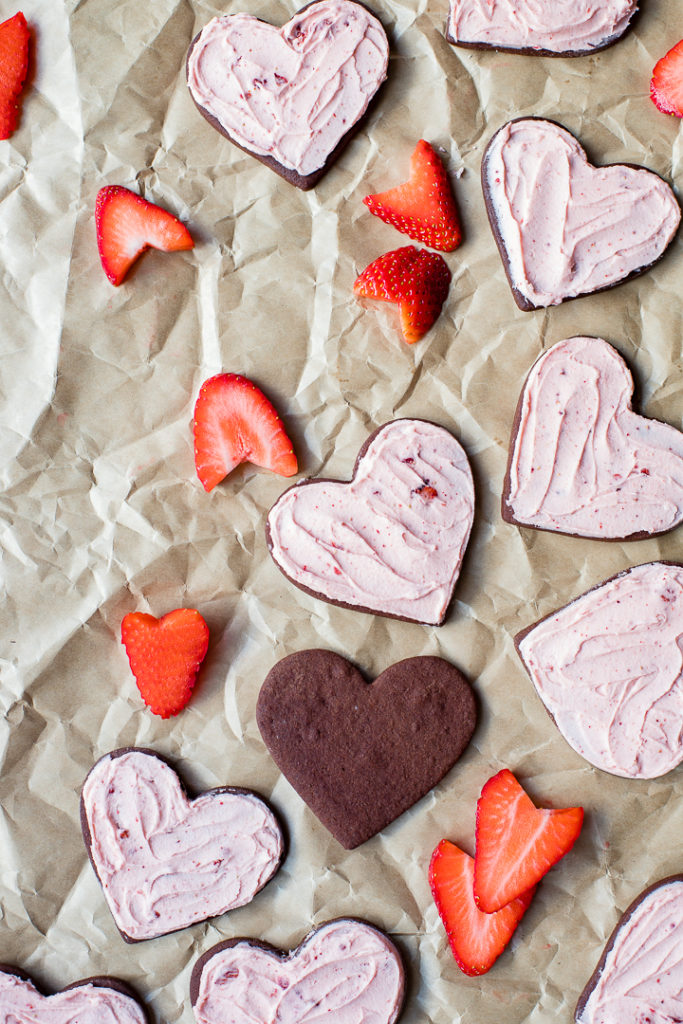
pixel 21 1003
pixel 290 93
pixel 641 980
pixel 609 669
pixel 564 227
pixel 166 862
pixel 345 971
pixel 392 539
pixel 582 461
pixel 569 27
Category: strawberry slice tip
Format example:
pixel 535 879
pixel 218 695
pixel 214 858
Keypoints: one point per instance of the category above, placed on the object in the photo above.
pixel 127 224
pixel 517 843
pixel 476 939
pixel 666 87
pixel 417 280
pixel 14 43
pixel 234 422
pixel 424 206
pixel 165 655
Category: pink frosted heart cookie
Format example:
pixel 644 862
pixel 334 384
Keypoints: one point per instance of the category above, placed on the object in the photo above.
pixel 554 28
pixel 165 861
pixel 640 975
pixel 608 669
pixel 581 461
pixel 91 1001
pixel 345 971
pixel 391 540
pixel 564 227
pixel 290 96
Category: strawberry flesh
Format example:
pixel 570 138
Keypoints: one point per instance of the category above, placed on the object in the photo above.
pixel 666 87
pixel 424 206
pixel 517 843
pixel 476 939
pixel 14 43
pixel 165 655
pixel 127 224
pixel 417 280
pixel 233 423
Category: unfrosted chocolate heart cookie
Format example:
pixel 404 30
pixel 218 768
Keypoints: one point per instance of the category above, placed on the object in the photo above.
pixel 639 979
pixel 608 669
pixel 553 28
pixel 581 461
pixel 290 96
pixel 392 539
pixel 91 1001
pixel 563 227
pixel 345 971
pixel 360 754
pixel 165 861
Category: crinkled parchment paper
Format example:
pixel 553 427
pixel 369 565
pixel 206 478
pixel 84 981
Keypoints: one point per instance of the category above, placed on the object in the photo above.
pixel 101 512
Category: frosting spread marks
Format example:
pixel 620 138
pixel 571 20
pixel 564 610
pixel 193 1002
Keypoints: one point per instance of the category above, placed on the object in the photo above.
pixel 640 976
pixel 581 461
pixel 567 27
pixel 290 93
pixel 86 1003
pixel 166 862
pixel 390 541
pixel 345 971
pixel 609 669
pixel 564 227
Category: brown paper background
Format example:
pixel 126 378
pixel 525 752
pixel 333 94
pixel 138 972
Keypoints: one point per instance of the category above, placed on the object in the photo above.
pixel 101 512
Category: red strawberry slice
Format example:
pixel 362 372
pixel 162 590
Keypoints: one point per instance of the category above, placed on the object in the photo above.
pixel 666 87
pixel 127 225
pixel 234 422
pixel 165 655
pixel 476 939
pixel 14 42
pixel 415 279
pixel 424 206
pixel 517 843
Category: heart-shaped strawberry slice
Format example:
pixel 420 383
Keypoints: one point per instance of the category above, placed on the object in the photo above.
pixel 581 461
pixel 91 1001
pixel 564 227
pixel 391 540
pixel 165 861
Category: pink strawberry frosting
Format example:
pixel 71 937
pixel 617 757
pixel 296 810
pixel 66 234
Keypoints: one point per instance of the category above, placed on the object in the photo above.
pixel 392 539
pixel 609 669
pixel 566 227
pixel 641 981
pixel 290 93
pixel 582 461
pixel 21 1003
pixel 346 972
pixel 556 26
pixel 166 862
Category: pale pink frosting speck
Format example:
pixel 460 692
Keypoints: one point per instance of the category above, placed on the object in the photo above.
pixel 346 972
pixel 290 93
pixel 566 227
pixel 582 461
pixel 21 1003
pixel 609 669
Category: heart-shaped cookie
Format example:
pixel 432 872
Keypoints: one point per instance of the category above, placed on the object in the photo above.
pixel 345 971
pixel 581 461
pixel 608 669
pixel 554 28
pixel 91 1001
pixel 290 96
pixel 640 975
pixel 391 540
pixel 360 754
pixel 564 227
pixel 164 861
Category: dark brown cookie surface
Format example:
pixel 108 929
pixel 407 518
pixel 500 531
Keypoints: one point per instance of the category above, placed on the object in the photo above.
pixel 360 754
pixel 89 1001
